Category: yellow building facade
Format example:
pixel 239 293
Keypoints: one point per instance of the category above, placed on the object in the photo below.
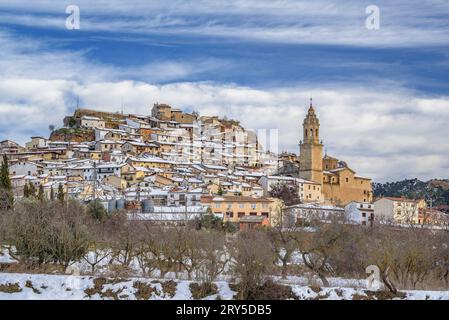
pixel 339 183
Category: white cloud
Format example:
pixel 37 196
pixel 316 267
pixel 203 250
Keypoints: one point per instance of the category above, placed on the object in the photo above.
pixel 403 23
pixel 368 129
pixel 385 131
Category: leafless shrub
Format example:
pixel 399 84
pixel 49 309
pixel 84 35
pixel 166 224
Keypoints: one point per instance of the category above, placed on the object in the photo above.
pixel 200 291
pixel 41 232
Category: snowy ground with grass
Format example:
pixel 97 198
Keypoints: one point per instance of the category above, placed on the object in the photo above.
pixel 62 287
pixel 37 286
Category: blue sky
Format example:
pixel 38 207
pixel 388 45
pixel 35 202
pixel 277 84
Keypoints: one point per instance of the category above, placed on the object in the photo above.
pixel 382 95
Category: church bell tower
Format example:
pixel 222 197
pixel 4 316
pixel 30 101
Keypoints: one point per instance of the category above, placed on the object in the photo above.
pixel 311 149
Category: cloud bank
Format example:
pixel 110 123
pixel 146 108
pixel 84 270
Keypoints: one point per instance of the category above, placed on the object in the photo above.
pixel 403 23
pixel 386 131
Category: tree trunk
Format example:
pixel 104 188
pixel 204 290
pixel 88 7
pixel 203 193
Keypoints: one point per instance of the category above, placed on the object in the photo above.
pixel 284 269
pixel 323 279
pixel 388 284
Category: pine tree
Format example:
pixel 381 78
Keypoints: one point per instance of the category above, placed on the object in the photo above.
pixel 31 190
pixel 5 181
pixel 40 194
pixel 60 194
pixel 6 194
pixel 26 191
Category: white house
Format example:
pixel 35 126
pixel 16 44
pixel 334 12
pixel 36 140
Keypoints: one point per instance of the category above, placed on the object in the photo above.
pixel 92 122
pixel 26 168
pixel 313 211
pixel 87 171
pixel 108 133
pixel 399 210
pixel 182 197
pixel 360 213
pixel 36 143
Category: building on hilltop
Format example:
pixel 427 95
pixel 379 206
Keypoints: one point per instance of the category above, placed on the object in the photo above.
pixel 165 112
pixel 311 149
pixel 340 184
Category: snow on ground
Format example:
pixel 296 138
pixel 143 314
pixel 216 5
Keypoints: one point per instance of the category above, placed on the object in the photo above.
pixel 15 286
pixel 69 287
pixel 4 256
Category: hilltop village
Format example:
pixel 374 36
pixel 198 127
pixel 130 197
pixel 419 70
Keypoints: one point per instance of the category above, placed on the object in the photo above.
pixel 172 166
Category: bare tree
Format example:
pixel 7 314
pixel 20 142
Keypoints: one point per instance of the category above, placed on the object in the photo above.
pixel 27 229
pixel 99 244
pixel 145 250
pixel 125 239
pixel 215 258
pixel 41 232
pixel 163 250
pixel 401 257
pixel 253 258
pixel 317 247
pixel 69 239
pixel 192 255
pixel 284 245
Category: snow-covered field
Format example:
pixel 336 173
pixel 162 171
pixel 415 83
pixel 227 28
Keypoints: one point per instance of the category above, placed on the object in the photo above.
pixel 61 287
pixel 102 286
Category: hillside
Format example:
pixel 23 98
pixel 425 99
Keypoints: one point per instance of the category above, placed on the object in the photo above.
pixel 73 135
pixel 437 190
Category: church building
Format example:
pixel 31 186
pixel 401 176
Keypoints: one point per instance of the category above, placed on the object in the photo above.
pixel 340 183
